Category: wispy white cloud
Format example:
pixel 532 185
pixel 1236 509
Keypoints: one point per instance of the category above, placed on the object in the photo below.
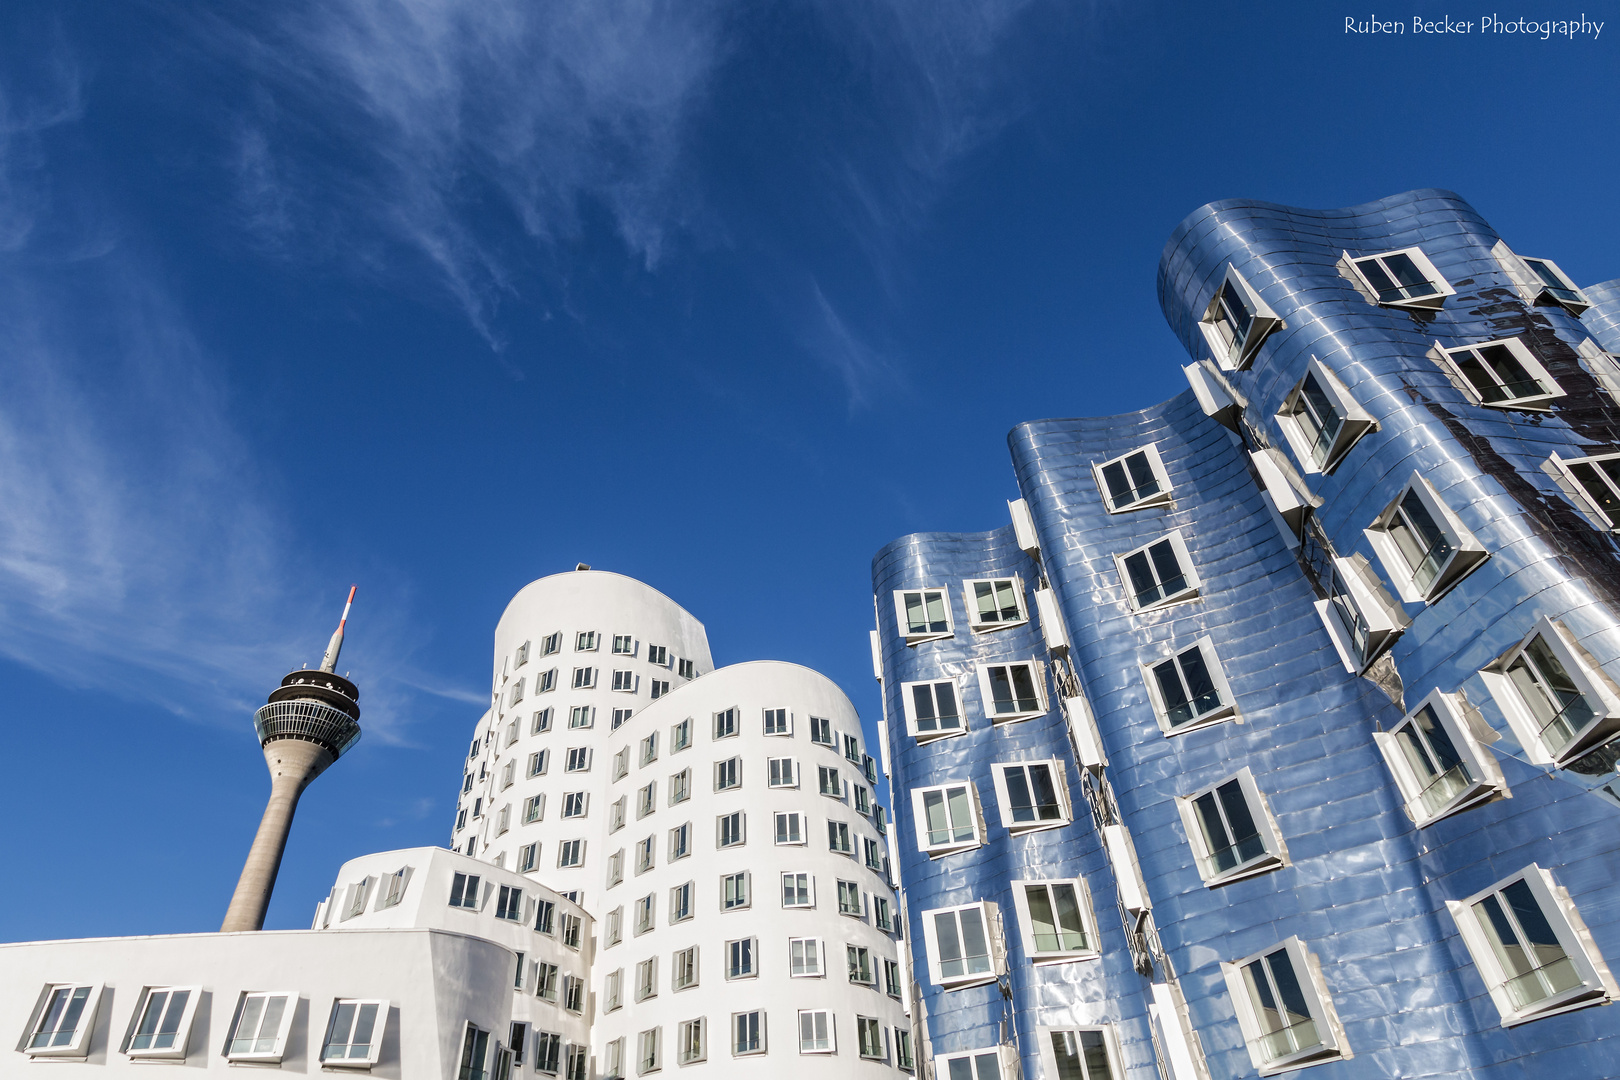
pixel 863 369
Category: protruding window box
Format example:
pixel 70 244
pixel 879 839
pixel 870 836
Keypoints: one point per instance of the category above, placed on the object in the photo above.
pixel 1158 574
pixel 1033 795
pixel 1284 1009
pixel 1321 421
pixel 994 603
pixel 1592 484
pixel 924 614
pixel 1052 629
pixel 1024 527
pixel 1423 544
pixel 354 1034
pixel 1289 496
pixel 1218 398
pixel 1232 831
pixel 1503 374
pixel 162 1022
pixel 1055 921
pixel 949 818
pixel 1438 757
pixel 1083 730
pixel 1402 279
pixel 1558 703
pixel 1086 1053
pixel 1188 688
pixel 258 1031
pixel 1541 281
pixel 1013 691
pixel 1237 322
pixel 1356 614
pixel 1133 481
pixel 62 1021
pixel 964 945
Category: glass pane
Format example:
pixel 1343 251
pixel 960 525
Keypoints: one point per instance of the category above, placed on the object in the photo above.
pixel 1236 309
pixel 1428 751
pixel 1047 807
pixel 961 1069
pixel 1600 486
pixel 1023 682
pixel 1319 416
pixel 1515 378
pixel 1071 929
pixel 247 1026
pixel 950 718
pixel 987 1066
pixel 1205 698
pixel 1043 924
pixel 1240 820
pixel 975 946
pixel 922 701
pixel 1178 710
pixel 1171 578
pixel 1018 796
pixel 1120 492
pixel 1560 709
pixel 961 814
pixel 950 945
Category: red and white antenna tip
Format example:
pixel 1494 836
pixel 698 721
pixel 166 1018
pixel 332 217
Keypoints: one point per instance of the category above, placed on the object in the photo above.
pixel 346 605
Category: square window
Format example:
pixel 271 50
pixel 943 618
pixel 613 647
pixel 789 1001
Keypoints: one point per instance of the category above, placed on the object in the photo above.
pixel 584 678
pixel 849 899
pixel 1531 948
pixel 1011 692
pixel 821 731
pixel 545 682
pixel 740 958
pixel 725 724
pixel 963 945
pixel 985 1064
pixel 873 852
pixel 579 759
pixel 1437 760
pixel 626 682
pixel 551 643
pixel 574 804
pixel 1504 374
pixel 1593 484
pixel 869 1035
pixel 1550 284
pixel 1158 574
pixel 658 656
pixel 1133 481
pixel 582 716
pixel 838 838
pixel 624 645
pixel 545 917
pixel 1236 322
pixel 783 773
pixel 620 718
pixel 1032 795
pixel 816 1032
pixel 948 818
pixel 1090 1053
pixel 852 749
pixel 923 614
pixel 585 641
pixel 789 828
pixel 534 809
pixel 827 782
pixel 686 669
pixel 728 774
pixel 649 749
pixel 729 829
pixel 163 1017
pixel 539 761
pixel 528 857
pixel 354 1033
pixel 1404 278
pixel 659 687
pixel 1231 830
pixel 778 722
pixel 570 853
pixel 994 603
pixel 932 709
pixel 464 891
pixel 693 1046
pixel 1320 421
pixel 258 1031
pixel 1283 1008
pixel 798 890
pixel 509 904
pixel 735 892
pixel 805 960
pixel 1556 705
pixel 748 1033
pixel 1055 920
pixel 1424 546
pixel 1188 689
pixel 547 1052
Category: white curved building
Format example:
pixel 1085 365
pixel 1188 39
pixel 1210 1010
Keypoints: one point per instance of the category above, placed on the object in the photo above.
pixel 720 826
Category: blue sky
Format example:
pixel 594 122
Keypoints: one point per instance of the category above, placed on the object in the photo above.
pixel 440 296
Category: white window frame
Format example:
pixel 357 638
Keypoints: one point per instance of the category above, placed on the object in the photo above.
pixel 1317 999
pixel 1110 1039
pixel 551 643
pixel 680 904
pixel 747 890
pixel 761 1046
pixel 541 722
pixel 816 1018
pixel 694 1042
pixel 680 736
pixel 646 979
pixel 1475 779
pixel 1580 492
pixel 1274 853
pixel 580 763
pixel 1231 352
pixel 274 1054
pixel 783 716
pixel 587 641
pixel 1155 463
pixel 909 704
pixel 797 818
pixel 815 949
pixel 720 829
pixel 1026 923
pixel 1354 422
pixel 810 889
pixel 1597 984
pixel 585 678
pixel 1593 685
pixel 625 681
pixel 1534 285
pixel 1466 554
pixel 625 645
pixel 1224 711
pixel 987 698
pixel 539 762
pixel 176 1051
pixel 563 848
pixel 734 773
pixel 783 772
pixel 680 842
pixel 1452 361
pixel 990 919
pixel 903 621
pixel 1383 623
pixel 1006 1062
pixel 919 813
pixel 753 958
pixel 378 1032
pixel 1060 785
pixel 581 717
pixel 733 723
pixel 1431 301
pixel 546 681
pixel 577 801
pixel 1192 583
pixel 971 603
pixel 680 786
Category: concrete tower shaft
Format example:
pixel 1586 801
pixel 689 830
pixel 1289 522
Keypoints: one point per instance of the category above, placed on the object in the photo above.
pixel 310 721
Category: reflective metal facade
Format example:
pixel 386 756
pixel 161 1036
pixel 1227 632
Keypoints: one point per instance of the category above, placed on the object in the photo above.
pixel 1363 888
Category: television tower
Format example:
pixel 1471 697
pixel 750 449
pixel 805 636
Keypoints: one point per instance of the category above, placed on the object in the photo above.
pixel 311 719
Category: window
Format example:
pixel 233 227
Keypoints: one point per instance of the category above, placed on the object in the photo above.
pixel 827 782
pixel 740 958
pixel 680 903
pixel 687 669
pixel 647 1050
pixel 647 979
pixel 393 888
pixel 873 854
pixel 579 759
pixel 924 614
pixel 474 1053
pixel 1055 920
pixel 880 913
pixel 1157 574
pixel 798 890
pixel 464 891
pixel 804 958
pixel 725 724
pixel 959 943
pixel 1531 947
pixel 972 1065
pixel 527 857
pixel 1236 322
pixel 626 682
pixel 783 772
pixel 1437 761
pixel 1425 548
pixel 931 709
pixel 545 682
pixel 838 838
pixel 680 736
pixel 869 767
pixel 574 804
pixel 1504 374
pixel 578 1059
pixel 680 787
pixel 995 603
pixel 748 1033
pixel 891 977
pixel 615 868
pixel 1551 699
pixel 541 722
pixel 1404 278
pixel 734 891
pixel 539 761
pixel 1231 830
pixel 613 933
pixel 948 818
pixel 354 1033
pixel 658 655
pixel 1079 1053
pixel 816 1032
pixel 693 1046
pixel 852 749
pixel 680 841
pixel 163 1016
pixel 659 688
pixel 728 774
pixel 1032 796
pixel 1594 483
pixel 613 1060
pixel 544 917
pixel 1188 689
pixel 863 800
pixel 821 731
pixel 1320 420
pixel 571 853
pixel 860 965
pixel 585 641
pixel 649 749
pixel 647 799
pixel 503 822
pixel 620 717
pixel 849 899
pixel 551 643
pixel 545 981
pixel 616 813
pixel 644 855
pixel 1133 481
pixel 778 722
pixel 684 973
pixel 902 1050
pixel 789 828
pixel 547 1051
pixel 869 1033
pixel 621 763
pixel 1358 617
pixel 1286 1014
pixel 573 993
pixel 1551 283
pixel 509 904
pixel 515 694
pixel 624 645
pixel 584 678
pixel 582 716
pixel 259 1030
pixel 571 926
pixel 729 829
pixel 512 732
